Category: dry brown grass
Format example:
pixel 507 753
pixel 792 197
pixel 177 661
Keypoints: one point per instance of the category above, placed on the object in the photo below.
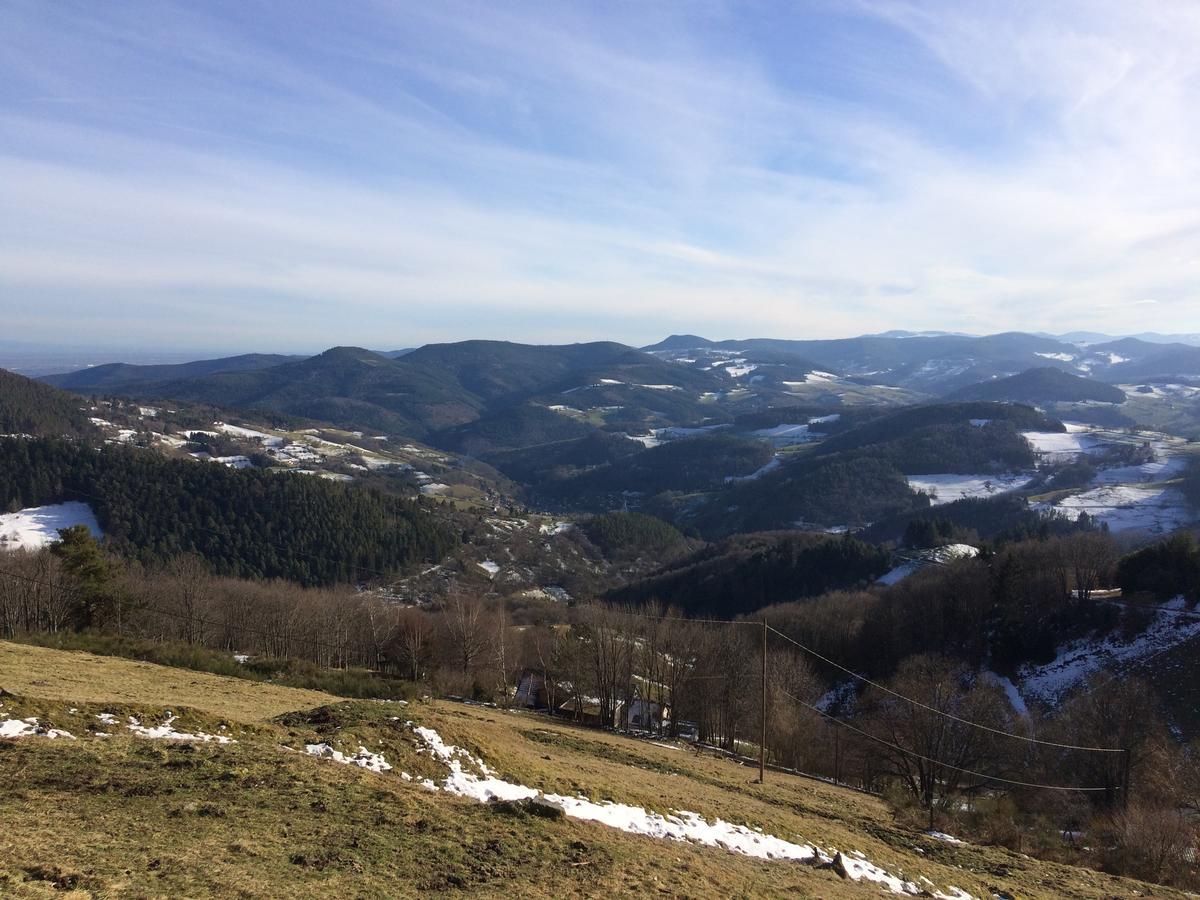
pixel 123 816
pixel 84 677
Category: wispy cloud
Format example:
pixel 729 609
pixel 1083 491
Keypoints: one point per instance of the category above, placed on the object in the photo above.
pixel 395 173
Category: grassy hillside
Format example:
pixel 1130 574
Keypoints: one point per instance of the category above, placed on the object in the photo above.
pixel 62 675
pixel 131 816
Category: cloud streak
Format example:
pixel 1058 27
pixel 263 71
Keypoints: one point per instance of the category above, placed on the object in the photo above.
pixel 396 173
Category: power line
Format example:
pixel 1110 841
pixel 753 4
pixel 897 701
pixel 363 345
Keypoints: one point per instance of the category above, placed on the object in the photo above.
pixel 325 644
pixel 938 762
pixel 940 712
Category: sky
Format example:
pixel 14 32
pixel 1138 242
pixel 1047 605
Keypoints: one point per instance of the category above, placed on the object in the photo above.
pixel 284 176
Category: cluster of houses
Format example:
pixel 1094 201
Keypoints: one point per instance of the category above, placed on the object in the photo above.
pixel 535 690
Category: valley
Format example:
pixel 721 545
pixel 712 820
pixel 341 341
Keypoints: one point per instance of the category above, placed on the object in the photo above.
pixel 470 521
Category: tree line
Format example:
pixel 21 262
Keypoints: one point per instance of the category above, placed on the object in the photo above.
pixel 929 645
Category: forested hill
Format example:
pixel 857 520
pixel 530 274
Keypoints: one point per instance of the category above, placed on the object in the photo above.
pixel 248 523
pixel 112 376
pixel 747 572
pixel 1042 385
pixel 444 389
pixel 29 407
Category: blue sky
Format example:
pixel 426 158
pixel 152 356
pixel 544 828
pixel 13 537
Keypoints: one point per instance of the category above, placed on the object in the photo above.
pixel 289 176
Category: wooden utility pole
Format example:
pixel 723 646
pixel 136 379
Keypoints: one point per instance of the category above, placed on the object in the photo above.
pixel 762 734
pixel 837 753
pixel 1125 781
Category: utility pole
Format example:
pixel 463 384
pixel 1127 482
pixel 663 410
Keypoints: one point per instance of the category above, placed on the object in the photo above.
pixel 837 753
pixel 1125 781
pixel 762 736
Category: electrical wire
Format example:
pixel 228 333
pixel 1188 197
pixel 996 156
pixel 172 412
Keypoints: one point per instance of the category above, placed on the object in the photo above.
pixel 938 762
pixel 926 706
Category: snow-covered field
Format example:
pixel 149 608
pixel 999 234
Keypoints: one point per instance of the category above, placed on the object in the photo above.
pixel 267 440
pixel 948 488
pixel 37 527
pixel 1077 660
pixel 1057 446
pixel 1126 507
pixel 1162 468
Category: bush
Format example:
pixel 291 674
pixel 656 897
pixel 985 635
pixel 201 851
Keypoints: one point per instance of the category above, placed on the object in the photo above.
pixel 1150 842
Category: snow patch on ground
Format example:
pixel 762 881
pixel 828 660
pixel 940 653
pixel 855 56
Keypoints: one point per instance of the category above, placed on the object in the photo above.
pixel 490 567
pixel 680 825
pixel 165 732
pixel 1010 691
pixel 942 836
pixel 757 473
pixel 37 526
pixel 738 370
pixel 937 556
pixel 19 728
pixel 364 758
pixel 267 440
pixel 1077 660
pixel 233 462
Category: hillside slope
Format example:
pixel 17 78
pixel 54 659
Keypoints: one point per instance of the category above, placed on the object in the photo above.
pixel 248 811
pixel 28 407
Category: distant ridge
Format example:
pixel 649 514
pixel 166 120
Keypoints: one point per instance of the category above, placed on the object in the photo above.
pixel 1041 385
pixel 113 375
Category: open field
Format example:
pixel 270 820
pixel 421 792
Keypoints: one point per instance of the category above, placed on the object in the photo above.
pixel 86 678
pixel 258 817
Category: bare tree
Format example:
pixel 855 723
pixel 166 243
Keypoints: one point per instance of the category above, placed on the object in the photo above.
pixel 413 642
pixel 466 627
pixel 188 592
pixel 931 753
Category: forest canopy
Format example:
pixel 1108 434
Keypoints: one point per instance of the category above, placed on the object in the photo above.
pixel 246 523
